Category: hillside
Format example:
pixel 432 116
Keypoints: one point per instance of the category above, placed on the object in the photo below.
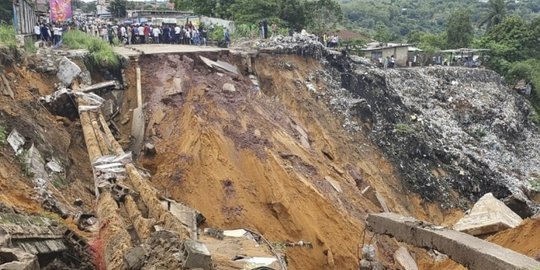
pixel 404 16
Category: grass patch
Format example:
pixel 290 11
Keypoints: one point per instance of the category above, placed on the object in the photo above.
pixel 100 53
pixel 3 135
pixel 59 181
pixel 403 128
pixel 23 162
pixel 535 184
pixel 7 36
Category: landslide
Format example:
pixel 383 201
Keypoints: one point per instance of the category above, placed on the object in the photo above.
pixel 276 160
pixel 53 136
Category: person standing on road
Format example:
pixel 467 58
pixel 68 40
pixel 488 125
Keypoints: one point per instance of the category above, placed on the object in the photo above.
pixel 177 31
pixel 156 32
pixel 227 37
pixel 140 32
pixel 37 32
pixel 204 36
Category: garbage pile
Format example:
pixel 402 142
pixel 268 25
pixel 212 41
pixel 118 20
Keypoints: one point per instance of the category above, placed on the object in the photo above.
pixel 301 44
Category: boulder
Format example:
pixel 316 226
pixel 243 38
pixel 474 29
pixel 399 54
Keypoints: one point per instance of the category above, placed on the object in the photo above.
pixel 488 215
pixel 229 88
pixel 134 259
pixel 67 71
pixel 17 259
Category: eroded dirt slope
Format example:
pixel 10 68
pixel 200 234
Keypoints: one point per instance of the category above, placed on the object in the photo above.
pixel 277 161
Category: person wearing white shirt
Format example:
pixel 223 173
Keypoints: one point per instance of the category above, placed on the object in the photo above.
pixel 37 31
pixel 140 32
pixel 156 33
pixel 177 34
pixel 57 31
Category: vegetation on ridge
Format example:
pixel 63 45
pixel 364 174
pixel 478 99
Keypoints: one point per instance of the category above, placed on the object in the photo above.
pixel 100 53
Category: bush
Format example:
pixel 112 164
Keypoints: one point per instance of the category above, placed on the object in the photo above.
pixel 7 36
pixel 3 135
pixel 216 33
pixel 100 53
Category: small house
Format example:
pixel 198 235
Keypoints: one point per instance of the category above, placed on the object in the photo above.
pixel 378 53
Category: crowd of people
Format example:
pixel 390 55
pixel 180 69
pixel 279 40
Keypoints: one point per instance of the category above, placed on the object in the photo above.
pixel 188 34
pixel 50 32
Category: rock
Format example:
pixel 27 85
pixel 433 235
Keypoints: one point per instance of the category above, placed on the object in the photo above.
pixel 135 258
pixel 78 202
pixel 488 215
pixel 5 238
pixel 67 71
pixel 404 258
pixel 149 149
pixel 17 259
pixel 175 88
pixel 335 184
pixel 519 204
pixel 55 166
pixel 86 77
pixel 195 255
pixel 229 88
pixel 257 133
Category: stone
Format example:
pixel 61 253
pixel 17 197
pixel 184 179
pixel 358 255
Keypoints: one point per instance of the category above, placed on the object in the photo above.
pixel 17 259
pixel 175 87
pixel 229 88
pixel 335 184
pixel 404 258
pixel 5 238
pixel 488 215
pixel 55 166
pixel 149 149
pixel 67 71
pixel 86 77
pixel 196 255
pixel 463 248
pixel 135 258
pixel 78 202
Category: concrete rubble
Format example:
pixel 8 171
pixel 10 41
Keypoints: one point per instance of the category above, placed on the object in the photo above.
pixel 67 71
pixel 404 259
pixel 472 252
pixel 487 216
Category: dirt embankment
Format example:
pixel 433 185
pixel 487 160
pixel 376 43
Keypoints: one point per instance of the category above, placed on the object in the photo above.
pixel 53 136
pixel 277 161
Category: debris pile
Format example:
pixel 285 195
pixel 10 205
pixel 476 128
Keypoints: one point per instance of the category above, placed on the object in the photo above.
pixel 305 45
pixel 449 129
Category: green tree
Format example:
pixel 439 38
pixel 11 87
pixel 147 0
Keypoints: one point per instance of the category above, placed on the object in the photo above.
pixel 252 11
pixel 496 13
pixel 6 11
pixel 383 34
pixel 89 7
pixel 117 8
pixel 323 15
pixel 459 30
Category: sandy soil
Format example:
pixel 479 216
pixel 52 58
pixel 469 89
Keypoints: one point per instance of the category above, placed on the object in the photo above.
pixel 263 160
pixel 52 135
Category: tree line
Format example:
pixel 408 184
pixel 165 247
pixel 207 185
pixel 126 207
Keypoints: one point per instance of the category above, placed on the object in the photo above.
pixel 317 16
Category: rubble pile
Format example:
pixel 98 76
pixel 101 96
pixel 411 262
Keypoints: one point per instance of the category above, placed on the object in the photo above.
pixel 447 129
pixel 305 45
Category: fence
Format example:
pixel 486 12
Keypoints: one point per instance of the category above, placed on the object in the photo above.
pixel 24 17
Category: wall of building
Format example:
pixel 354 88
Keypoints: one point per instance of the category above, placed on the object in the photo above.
pixel 24 17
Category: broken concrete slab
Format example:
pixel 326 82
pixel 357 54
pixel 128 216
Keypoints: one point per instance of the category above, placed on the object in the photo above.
pixel 488 215
pixel 137 130
pixel 224 66
pixel 108 85
pixel 195 255
pixel 67 71
pixel 16 141
pixel 472 252
pixel 149 150
pixel 404 259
